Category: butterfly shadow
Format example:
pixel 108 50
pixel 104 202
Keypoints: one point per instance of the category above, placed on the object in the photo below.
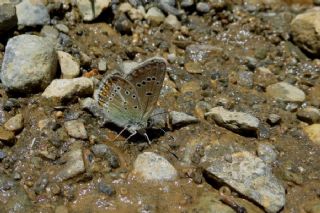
pixel 142 136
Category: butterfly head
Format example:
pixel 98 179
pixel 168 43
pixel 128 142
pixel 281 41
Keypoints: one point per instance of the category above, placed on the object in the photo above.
pixel 137 127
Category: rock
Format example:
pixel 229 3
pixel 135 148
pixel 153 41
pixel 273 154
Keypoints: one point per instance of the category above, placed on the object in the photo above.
pixel 249 176
pixel 193 67
pixel 186 3
pixel 305 30
pixel 73 167
pixel 32 13
pixel 181 118
pixel 76 129
pixel 62 28
pixel 102 65
pixel 8 18
pixel 103 151
pixel 92 106
pixel 313 132
pixel 245 79
pixel 65 89
pixel 274 119
pixel 15 123
pixel 173 22
pixel 267 152
pixel 309 115
pixel 50 32
pixel 234 121
pixel 91 10
pixel 151 167
pixel 218 4
pixel 285 92
pixel 123 24
pixel 69 66
pixel 155 16
pixel 7 137
pixel 29 64
pixel 172 58
pixel 2 155
pixel 106 189
pixel 203 7
pixel 158 118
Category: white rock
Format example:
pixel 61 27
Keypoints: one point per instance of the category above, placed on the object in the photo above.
pixel 15 123
pixel 67 88
pixel 69 66
pixel 285 92
pixel 88 12
pixel 251 177
pixel 152 167
pixel 76 129
pixel 180 118
pixel 155 15
pixel 235 121
pixel 173 22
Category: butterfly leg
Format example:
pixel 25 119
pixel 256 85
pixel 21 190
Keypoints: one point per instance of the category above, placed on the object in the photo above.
pixel 124 129
pixel 132 134
pixel 145 134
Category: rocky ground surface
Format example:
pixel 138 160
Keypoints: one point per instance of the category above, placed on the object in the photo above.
pixel 236 128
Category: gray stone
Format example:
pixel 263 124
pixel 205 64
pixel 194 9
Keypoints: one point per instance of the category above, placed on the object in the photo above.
pixel 274 119
pixel 90 10
pixel 70 68
pixel 50 32
pixel 186 3
pixel 92 106
pixel 305 29
pixel 15 123
pixel 203 7
pixel 245 79
pixel 106 189
pixel 309 115
pixel 235 121
pixel 32 13
pixel 155 16
pixel 102 65
pixel 29 64
pixel 65 89
pixel 2 155
pixel 173 22
pixel 267 152
pixel 103 151
pixel 218 4
pixel 285 92
pixel 249 176
pixel 62 28
pixel 8 18
pixel 73 167
pixel 76 129
pixel 181 118
pixel 151 167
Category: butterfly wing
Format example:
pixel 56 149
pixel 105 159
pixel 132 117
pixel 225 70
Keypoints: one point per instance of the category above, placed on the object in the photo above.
pixel 148 78
pixel 119 100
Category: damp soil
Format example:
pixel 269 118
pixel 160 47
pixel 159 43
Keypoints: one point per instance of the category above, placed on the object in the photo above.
pixel 237 36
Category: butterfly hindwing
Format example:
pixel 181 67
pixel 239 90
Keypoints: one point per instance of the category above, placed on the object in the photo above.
pixel 148 78
pixel 119 100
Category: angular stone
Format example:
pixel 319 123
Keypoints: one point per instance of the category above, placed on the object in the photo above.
pixel 7 137
pixel 249 176
pixel 64 89
pixel 69 66
pixel 313 132
pixel 8 18
pixel 15 123
pixel 76 129
pixel 235 121
pixel 32 13
pixel 152 167
pixel 285 92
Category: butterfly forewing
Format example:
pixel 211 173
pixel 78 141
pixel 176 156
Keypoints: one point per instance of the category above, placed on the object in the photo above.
pixel 148 79
pixel 119 100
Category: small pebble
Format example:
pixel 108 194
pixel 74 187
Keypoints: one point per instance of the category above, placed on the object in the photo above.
pixel 106 189
pixel 2 155
pixel 62 28
pixel 203 7
pixel 15 123
pixel 102 65
pixel 274 119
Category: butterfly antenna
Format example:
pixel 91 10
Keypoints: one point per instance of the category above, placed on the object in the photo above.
pixel 171 137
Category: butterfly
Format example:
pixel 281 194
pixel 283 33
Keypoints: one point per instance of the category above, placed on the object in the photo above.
pixel 128 100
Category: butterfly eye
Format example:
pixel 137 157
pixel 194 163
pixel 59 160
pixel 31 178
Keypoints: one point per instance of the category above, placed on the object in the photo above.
pixel 118 87
pixel 148 79
pixel 126 108
pixel 127 92
pixel 110 99
pixel 148 93
pixel 138 85
pixel 125 103
pixel 136 107
pixel 134 96
pixel 153 78
pixel 112 94
pixel 158 82
pixel 143 82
